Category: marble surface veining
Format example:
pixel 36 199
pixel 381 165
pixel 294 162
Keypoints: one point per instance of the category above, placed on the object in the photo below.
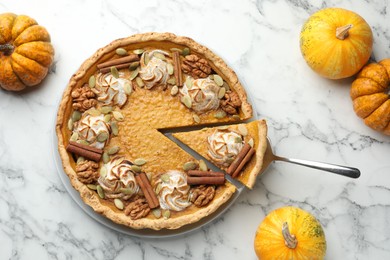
pixel 309 117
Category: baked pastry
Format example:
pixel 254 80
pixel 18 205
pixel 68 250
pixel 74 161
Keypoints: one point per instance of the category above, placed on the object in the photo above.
pixel 108 127
pixel 225 145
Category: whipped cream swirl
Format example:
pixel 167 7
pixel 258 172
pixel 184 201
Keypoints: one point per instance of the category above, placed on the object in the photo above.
pixel 224 146
pixel 155 72
pixel 110 90
pixel 173 194
pixel 203 94
pixel 119 181
pixel 89 127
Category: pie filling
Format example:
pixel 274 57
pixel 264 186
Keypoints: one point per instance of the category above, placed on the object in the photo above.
pixel 106 125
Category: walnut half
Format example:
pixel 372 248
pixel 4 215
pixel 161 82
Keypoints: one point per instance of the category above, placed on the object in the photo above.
pixel 231 102
pixel 195 66
pixel 83 98
pixel 87 171
pixel 202 195
pixel 137 209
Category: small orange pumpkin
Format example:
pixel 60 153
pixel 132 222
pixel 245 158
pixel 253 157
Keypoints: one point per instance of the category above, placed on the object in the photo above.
pixel 290 233
pixel 25 52
pixel 370 95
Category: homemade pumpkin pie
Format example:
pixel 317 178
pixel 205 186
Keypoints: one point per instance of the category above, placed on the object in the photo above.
pixel 109 121
pixel 225 145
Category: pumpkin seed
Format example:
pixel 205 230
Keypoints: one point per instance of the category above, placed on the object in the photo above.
pixel 127 88
pixel 134 65
pixel 170 68
pixel 176 49
pixel 114 128
pixel 251 142
pixel 93 112
pixel 107 118
pixel 171 81
pixel 135 168
pixel 236 117
pixel 84 142
pixel 134 74
pixel 102 137
pixel 158 188
pixel 202 165
pixel 186 100
pixel 76 115
pixel 238 139
pixel 190 166
pixel 165 178
pixel 139 161
pixel 74 137
pixel 114 72
pixel 211 76
pixel 138 51
pixel 196 118
pixel 218 80
pixel 166 213
pixel 100 191
pixel 140 82
pixel 226 86
pixel 121 52
pixel 113 150
pixel 119 204
pixel 103 171
pixel 185 51
pixel 159 55
pixel 220 114
pixel 174 90
pixel 106 109
pixel 157 213
pixel 229 160
pixel 70 124
pixel 149 175
pixel 224 127
pixel 189 82
pixel 221 93
pixel 146 58
pixel 105 157
pixel 243 130
pixel 91 186
pixel 80 159
pixel 118 115
pixel 92 81
pixel 126 191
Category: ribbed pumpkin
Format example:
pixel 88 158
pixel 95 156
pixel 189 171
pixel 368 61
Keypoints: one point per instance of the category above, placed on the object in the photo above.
pixel 290 233
pixel 25 52
pixel 336 43
pixel 370 95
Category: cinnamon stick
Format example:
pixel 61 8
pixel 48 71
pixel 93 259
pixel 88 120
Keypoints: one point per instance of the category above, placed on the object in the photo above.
pixel 147 189
pixel 215 180
pixel 120 66
pixel 232 168
pixel 177 68
pixel 197 173
pixel 126 59
pixel 246 159
pixel 86 151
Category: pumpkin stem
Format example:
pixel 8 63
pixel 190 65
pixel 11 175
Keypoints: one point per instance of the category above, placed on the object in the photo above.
pixel 7 49
pixel 289 240
pixel 342 32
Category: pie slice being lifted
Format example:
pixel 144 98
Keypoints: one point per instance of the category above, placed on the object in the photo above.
pixel 238 149
pixel 108 127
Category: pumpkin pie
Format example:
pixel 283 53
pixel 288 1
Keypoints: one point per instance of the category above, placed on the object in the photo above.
pixel 109 122
pixel 222 145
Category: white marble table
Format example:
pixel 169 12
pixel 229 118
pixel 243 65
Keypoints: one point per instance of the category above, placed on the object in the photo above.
pixel 309 117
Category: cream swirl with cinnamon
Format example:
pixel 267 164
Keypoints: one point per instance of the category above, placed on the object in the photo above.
pixel 89 127
pixel 119 182
pixel 155 72
pixel 203 94
pixel 174 191
pixel 110 90
pixel 224 146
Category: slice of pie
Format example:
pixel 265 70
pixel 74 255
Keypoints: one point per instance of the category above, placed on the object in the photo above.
pixel 109 121
pixel 223 145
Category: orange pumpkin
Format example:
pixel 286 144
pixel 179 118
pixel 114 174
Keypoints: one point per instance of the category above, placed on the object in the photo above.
pixel 25 52
pixel 370 95
pixel 290 233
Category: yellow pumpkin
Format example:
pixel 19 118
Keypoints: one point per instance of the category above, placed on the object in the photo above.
pixel 25 52
pixel 336 43
pixel 290 233
pixel 370 95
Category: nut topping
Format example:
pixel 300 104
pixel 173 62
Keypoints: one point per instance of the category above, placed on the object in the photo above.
pixel 137 209
pixel 202 195
pixel 195 66
pixel 231 102
pixel 83 98
pixel 87 171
